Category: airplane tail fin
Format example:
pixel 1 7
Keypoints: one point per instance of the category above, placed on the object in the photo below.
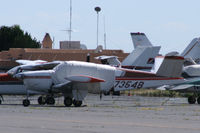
pixel 142 57
pixel 140 39
pixel 168 66
pixel 192 50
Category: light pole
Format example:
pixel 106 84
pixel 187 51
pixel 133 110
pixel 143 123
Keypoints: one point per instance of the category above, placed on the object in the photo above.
pixel 97 9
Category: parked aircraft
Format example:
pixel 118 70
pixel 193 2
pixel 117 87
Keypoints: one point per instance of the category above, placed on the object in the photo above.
pixel 73 78
pixel 141 58
pixel 191 72
pixel 9 85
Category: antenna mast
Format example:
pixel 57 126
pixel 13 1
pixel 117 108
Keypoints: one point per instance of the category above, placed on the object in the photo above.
pixel 70 23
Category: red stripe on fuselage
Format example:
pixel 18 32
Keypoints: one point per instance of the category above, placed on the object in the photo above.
pixel 153 78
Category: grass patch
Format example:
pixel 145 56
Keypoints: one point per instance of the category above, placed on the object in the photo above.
pixel 156 93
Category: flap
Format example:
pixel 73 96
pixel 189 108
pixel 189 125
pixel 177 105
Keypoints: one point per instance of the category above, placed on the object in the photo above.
pixel 84 79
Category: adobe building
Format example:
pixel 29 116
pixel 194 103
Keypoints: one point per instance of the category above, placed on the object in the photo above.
pixel 7 58
pixel 72 50
pixel 47 42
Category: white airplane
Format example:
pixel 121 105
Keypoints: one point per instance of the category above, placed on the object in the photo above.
pixel 141 58
pixel 10 85
pixel 73 78
pixel 191 72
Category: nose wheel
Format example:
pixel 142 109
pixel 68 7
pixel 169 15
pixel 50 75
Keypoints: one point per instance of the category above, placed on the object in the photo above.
pixel 68 101
pixel 26 102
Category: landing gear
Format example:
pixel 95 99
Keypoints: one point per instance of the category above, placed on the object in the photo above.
pixel 198 100
pixel 77 103
pixel 191 100
pixel 68 101
pixel 1 99
pixel 41 100
pixel 50 100
pixel 26 102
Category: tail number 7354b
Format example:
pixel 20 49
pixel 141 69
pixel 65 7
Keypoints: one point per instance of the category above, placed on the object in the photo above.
pixel 128 84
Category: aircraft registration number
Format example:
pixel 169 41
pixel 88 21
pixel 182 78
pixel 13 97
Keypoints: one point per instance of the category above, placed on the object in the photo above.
pixel 127 84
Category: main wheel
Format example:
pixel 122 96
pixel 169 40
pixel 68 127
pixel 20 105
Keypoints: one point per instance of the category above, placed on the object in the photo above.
pixel 191 100
pixel 41 100
pixel 198 100
pixel 0 101
pixel 26 102
pixel 50 101
pixel 77 103
pixel 68 101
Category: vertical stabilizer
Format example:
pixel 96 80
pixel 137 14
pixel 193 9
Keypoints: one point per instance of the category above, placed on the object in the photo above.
pixel 192 50
pixel 140 39
pixel 168 66
pixel 141 58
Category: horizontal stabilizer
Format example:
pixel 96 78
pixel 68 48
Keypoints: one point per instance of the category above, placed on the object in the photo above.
pixel 84 79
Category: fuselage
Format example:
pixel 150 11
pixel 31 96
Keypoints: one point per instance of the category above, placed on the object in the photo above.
pixel 119 78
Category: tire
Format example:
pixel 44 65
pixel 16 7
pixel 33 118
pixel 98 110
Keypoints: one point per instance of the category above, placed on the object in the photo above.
pixel 191 100
pixel 0 101
pixel 50 101
pixel 41 100
pixel 198 100
pixel 77 103
pixel 26 102
pixel 68 101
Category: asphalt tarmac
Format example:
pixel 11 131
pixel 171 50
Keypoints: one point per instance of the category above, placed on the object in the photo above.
pixel 118 114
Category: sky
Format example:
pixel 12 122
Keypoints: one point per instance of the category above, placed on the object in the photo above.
pixel 171 24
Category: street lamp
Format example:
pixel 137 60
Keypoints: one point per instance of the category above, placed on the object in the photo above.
pixel 97 9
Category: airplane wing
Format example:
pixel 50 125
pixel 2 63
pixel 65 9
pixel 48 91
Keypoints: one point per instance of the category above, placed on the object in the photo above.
pixel 44 66
pixel 30 62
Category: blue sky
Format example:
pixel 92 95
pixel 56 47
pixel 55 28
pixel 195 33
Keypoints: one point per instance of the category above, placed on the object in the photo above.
pixel 171 24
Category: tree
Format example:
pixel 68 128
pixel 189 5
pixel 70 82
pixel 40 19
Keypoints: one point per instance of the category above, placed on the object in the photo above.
pixel 14 37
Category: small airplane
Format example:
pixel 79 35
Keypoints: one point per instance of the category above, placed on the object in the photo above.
pixel 141 58
pixel 191 69
pixel 72 79
pixel 9 85
pixel 191 72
